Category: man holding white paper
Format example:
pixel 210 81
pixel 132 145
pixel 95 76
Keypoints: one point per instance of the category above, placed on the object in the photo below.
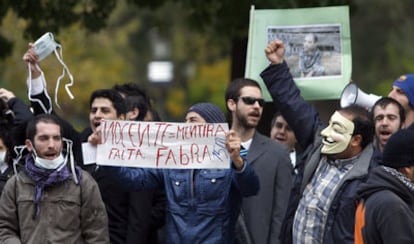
pixel 202 204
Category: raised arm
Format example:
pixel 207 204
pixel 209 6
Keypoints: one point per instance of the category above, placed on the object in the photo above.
pixel 301 115
pixel 18 111
pixel 36 84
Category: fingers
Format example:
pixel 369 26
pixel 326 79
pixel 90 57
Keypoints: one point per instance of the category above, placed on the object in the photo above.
pixel 6 94
pixel 233 142
pixel 95 138
pixel 233 145
pixel 232 136
pixel 275 51
pixel 30 55
pixel 274 46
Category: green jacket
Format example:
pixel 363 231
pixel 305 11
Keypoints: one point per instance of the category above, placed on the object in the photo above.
pixel 69 213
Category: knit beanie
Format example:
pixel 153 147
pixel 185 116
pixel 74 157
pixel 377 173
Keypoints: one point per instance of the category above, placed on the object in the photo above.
pixel 406 83
pixel 210 112
pixel 399 150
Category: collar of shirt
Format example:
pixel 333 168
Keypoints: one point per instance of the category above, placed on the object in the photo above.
pixel 341 163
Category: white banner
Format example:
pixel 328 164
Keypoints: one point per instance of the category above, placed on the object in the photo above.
pixel 163 145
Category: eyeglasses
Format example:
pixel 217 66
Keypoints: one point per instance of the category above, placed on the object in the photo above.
pixel 252 100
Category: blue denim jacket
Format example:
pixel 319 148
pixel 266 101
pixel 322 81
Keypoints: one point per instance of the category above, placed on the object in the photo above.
pixel 202 204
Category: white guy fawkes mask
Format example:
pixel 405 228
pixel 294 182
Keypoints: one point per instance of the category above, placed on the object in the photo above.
pixel 337 135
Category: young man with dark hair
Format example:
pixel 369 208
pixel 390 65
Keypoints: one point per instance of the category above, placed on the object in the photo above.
pixel 51 200
pixel 389 117
pixel 137 100
pixel 263 213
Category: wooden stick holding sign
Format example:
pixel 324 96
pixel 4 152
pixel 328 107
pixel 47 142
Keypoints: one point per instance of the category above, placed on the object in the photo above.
pixel 163 145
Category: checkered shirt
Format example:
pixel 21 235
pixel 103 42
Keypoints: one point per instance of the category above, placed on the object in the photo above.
pixel 312 212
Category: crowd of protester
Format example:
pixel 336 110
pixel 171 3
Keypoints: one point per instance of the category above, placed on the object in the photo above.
pixel 348 181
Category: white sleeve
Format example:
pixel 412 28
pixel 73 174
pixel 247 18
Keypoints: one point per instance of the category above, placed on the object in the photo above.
pixel 36 86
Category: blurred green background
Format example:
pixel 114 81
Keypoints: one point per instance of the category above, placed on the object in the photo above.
pixel 106 42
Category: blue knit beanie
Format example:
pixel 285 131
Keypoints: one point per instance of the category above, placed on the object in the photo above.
pixel 406 83
pixel 210 112
pixel 399 150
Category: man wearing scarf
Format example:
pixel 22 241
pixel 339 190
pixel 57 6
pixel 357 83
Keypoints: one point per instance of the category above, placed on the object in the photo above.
pixel 51 200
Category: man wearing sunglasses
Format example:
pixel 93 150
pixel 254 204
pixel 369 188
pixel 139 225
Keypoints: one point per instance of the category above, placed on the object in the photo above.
pixel 262 214
pixel 338 157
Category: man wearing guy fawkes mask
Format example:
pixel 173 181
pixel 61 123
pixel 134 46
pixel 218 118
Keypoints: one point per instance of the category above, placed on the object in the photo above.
pixel 337 159
pixel 50 200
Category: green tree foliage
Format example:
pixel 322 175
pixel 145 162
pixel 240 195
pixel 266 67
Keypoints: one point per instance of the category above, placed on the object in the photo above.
pixel 96 60
pixel 50 15
pixel 224 19
pixel 382 47
pixel 120 53
pixel 107 42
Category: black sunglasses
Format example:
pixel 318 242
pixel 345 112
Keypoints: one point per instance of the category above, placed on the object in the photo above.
pixel 252 100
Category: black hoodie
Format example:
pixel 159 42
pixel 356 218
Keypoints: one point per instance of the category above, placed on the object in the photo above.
pixel 386 211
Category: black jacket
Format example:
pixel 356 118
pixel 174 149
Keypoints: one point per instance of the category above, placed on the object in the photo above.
pixel 386 209
pixel 305 122
pixel 16 130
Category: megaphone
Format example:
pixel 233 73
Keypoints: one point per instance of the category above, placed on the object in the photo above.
pixel 351 94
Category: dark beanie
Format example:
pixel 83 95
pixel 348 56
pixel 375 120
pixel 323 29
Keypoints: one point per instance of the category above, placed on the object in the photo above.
pixel 399 150
pixel 210 112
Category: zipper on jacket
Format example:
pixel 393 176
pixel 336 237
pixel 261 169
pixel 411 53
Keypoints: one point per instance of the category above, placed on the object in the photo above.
pixel 192 188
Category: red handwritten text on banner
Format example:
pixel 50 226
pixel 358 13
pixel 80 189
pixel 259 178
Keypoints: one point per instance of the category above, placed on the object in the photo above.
pixel 163 145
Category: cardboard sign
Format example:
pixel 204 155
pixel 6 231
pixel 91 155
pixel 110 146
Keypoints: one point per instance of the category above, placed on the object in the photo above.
pixel 163 145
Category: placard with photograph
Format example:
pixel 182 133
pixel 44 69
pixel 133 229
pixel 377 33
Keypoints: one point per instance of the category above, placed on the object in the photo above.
pixel 317 43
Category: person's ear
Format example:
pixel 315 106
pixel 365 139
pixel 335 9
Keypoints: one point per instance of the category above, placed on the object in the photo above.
pixel 29 145
pixel 407 171
pixel 133 114
pixel 356 140
pixel 231 104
